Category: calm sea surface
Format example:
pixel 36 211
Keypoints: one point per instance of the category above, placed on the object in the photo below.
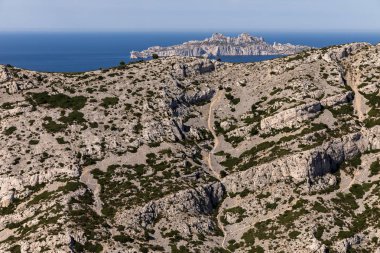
pixel 74 52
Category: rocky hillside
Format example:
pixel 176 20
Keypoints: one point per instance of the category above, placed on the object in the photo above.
pixel 190 155
pixel 220 45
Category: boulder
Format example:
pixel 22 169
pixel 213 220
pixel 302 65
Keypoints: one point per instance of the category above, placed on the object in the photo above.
pixel 7 200
pixel 4 74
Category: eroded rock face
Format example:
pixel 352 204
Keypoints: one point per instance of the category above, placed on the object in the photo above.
pixel 189 203
pixel 176 105
pixel 347 244
pixel 156 131
pixel 197 97
pixel 308 165
pixel 291 117
pixel 16 86
pixel 338 99
pixel 194 68
pixel 344 51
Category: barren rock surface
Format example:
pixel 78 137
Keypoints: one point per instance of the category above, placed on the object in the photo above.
pixel 182 154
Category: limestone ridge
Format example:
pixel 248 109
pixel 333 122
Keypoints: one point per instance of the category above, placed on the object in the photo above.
pixel 181 154
pixel 220 45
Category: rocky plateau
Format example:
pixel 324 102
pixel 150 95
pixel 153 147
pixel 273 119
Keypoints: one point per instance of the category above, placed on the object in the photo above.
pixel 182 154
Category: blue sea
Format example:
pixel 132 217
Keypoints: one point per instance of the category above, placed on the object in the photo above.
pixel 75 52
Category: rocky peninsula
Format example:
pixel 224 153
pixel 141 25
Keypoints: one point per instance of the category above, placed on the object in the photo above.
pixel 220 45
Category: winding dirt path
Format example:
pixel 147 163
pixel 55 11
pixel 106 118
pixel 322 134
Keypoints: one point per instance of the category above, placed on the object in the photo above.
pixel 211 129
pixel 208 158
pixel 88 179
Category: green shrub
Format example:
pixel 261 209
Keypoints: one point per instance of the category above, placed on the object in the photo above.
pixel 7 106
pixel 271 205
pixel 230 162
pixel 58 100
pixel 289 217
pixel 60 140
pixel 94 124
pixel 41 197
pixel 73 117
pixel 375 168
pixel 138 128
pixel 109 102
pixel 257 249
pixel 235 101
pixel 229 96
pixel 10 130
pixel 53 127
pixel 70 187
pixel 96 248
pixel 108 211
pixel 319 233
pixel 294 234
pixel 123 238
pixel 297 57
pixel 15 249
pixel 345 202
pixel 33 142
pixel 345 234
pixel 370 122
pixel 249 237
pixel 319 208
pixel 359 190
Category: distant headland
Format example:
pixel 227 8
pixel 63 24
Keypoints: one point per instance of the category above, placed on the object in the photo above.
pixel 220 45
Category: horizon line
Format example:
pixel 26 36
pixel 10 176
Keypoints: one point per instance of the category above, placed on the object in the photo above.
pixel 211 31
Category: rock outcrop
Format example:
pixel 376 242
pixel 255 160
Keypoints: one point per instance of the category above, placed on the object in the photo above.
pixel 291 117
pixel 195 205
pixel 194 68
pixel 341 52
pixel 338 99
pixel 307 165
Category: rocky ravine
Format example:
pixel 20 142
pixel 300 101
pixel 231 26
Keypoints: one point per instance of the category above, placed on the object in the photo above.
pixel 220 45
pixel 189 155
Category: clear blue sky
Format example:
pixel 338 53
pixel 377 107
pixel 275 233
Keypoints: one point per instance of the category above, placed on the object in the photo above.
pixel 189 15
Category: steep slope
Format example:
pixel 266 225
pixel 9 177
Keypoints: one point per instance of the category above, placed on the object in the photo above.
pixel 190 155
